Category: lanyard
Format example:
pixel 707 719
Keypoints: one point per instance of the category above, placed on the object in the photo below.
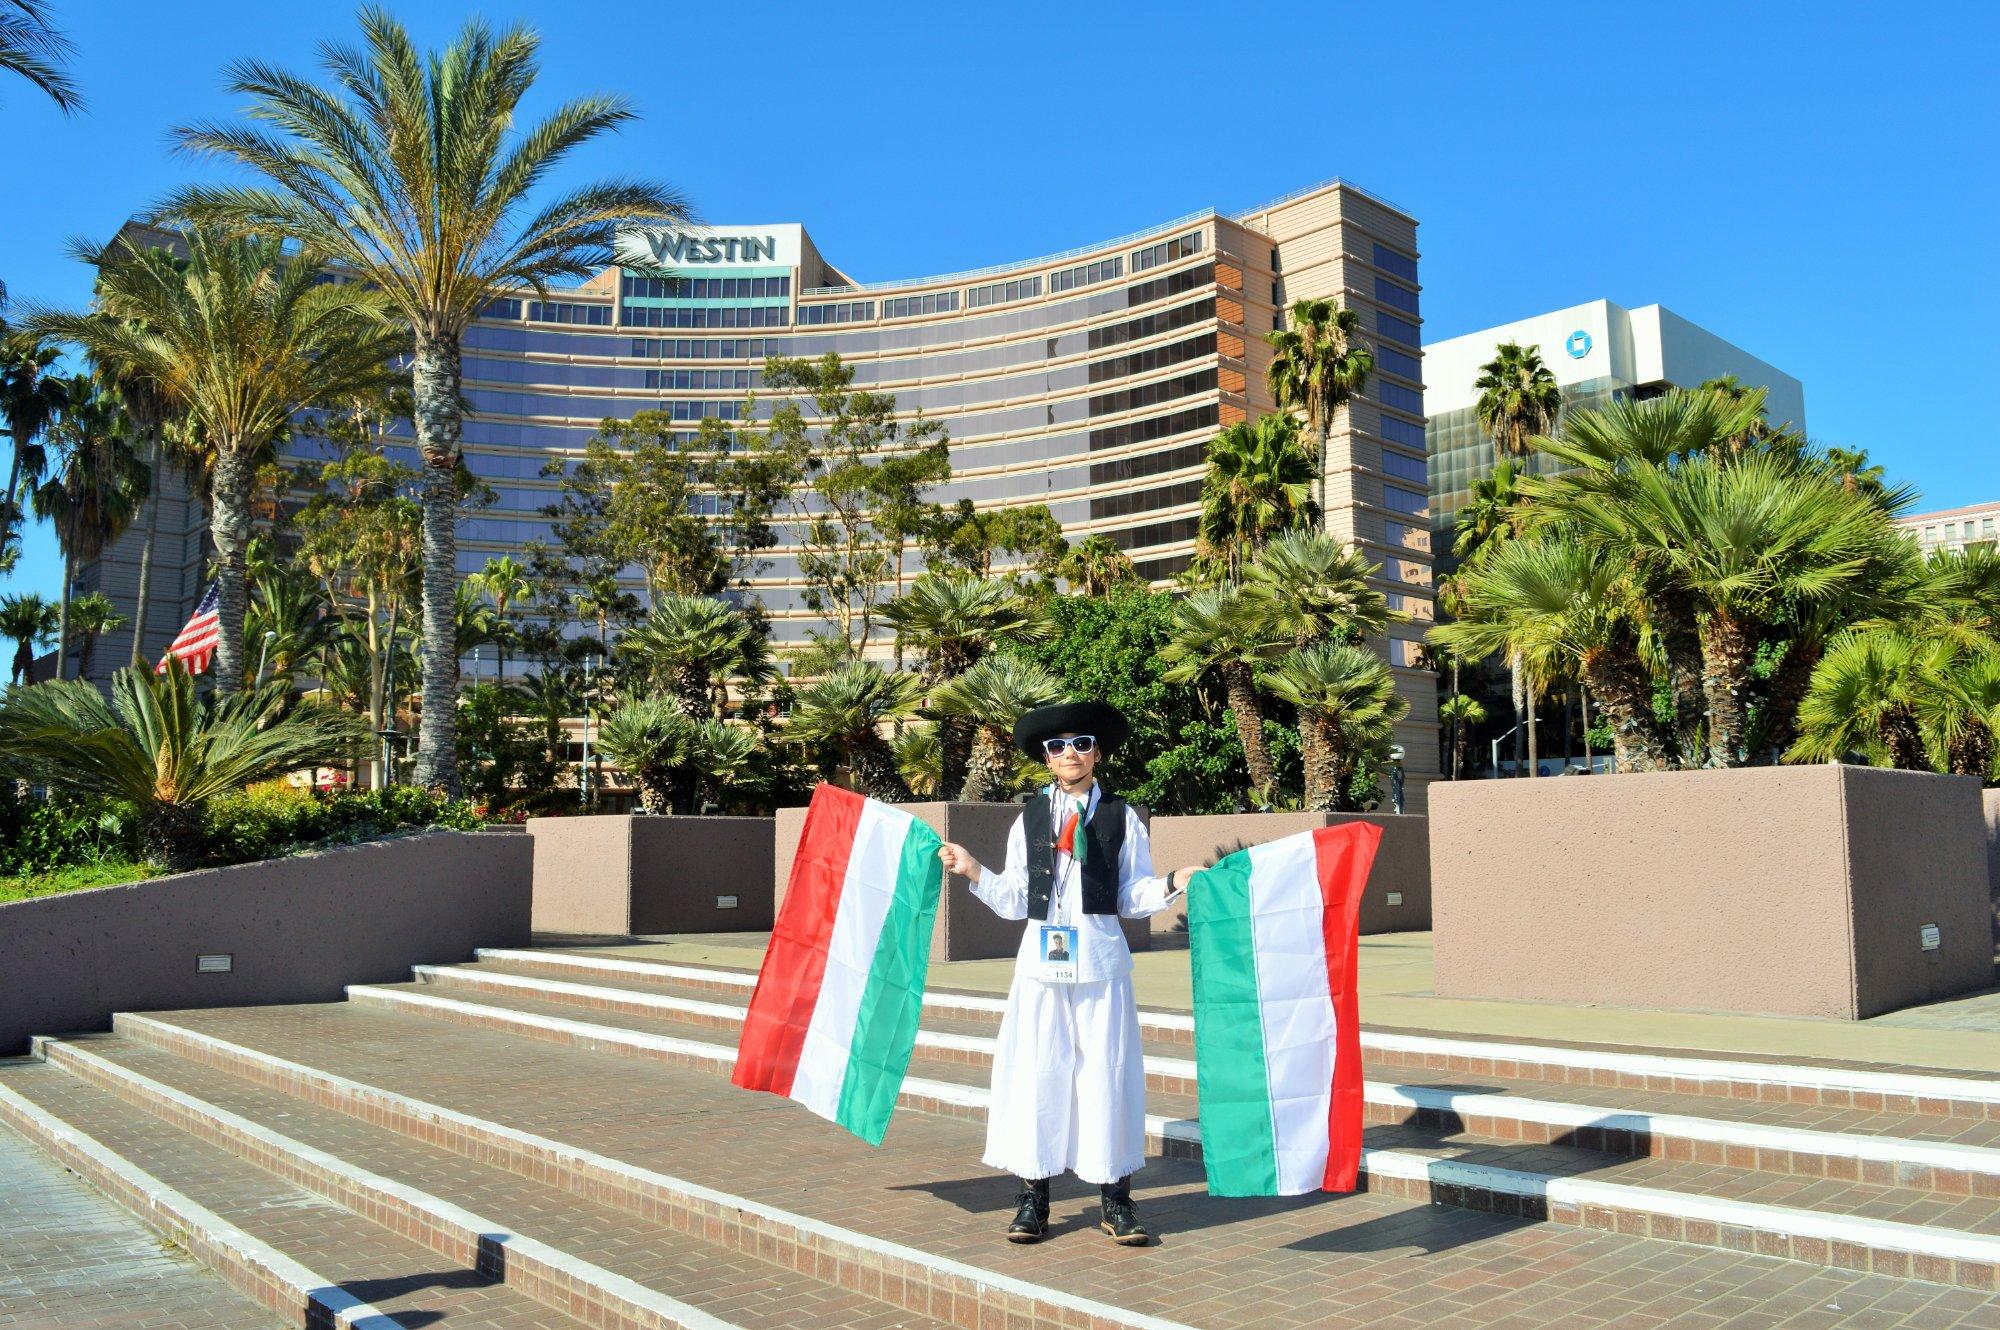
pixel 1059 894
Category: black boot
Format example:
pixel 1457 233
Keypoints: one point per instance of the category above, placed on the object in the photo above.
pixel 1117 1215
pixel 1031 1221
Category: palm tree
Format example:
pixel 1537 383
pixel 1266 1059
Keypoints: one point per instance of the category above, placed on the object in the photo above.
pixel 845 712
pixel 1213 631
pixel 1461 713
pixel 991 696
pixel 156 745
pixel 1347 702
pixel 952 618
pixel 93 615
pixel 1095 565
pixel 694 645
pixel 408 174
pixel 1259 483
pixel 32 47
pixel 1317 367
pixel 288 607
pixel 1518 399
pixel 1864 698
pixel 30 399
pixel 672 759
pixel 94 493
pixel 31 622
pixel 506 583
pixel 1306 586
pixel 242 336
pixel 916 751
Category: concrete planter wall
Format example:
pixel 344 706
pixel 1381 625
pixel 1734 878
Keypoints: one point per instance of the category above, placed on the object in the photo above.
pixel 292 930
pixel 966 930
pixel 1398 898
pixel 1991 798
pixel 1805 891
pixel 638 874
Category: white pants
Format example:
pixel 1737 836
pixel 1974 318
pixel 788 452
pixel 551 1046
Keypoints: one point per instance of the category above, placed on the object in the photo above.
pixel 1069 1082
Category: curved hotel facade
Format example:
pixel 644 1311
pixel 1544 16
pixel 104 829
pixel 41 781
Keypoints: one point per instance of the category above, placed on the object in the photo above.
pixel 1089 381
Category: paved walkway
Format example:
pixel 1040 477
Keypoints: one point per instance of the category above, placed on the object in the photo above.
pixel 71 1259
pixel 1396 985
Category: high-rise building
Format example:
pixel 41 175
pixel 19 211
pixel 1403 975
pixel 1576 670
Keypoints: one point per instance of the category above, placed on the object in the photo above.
pixel 1090 381
pixel 1954 528
pixel 1597 352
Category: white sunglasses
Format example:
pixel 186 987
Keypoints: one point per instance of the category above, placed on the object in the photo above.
pixel 1082 743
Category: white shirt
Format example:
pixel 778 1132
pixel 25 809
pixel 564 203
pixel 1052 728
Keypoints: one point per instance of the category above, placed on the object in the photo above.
pixel 1100 942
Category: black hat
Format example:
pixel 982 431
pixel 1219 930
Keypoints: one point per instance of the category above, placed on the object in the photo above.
pixel 1096 718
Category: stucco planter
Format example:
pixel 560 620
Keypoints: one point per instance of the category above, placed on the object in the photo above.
pixel 1398 898
pixel 1828 891
pixel 287 930
pixel 966 930
pixel 637 874
pixel 1991 799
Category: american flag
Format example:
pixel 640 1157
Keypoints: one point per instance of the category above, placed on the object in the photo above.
pixel 195 645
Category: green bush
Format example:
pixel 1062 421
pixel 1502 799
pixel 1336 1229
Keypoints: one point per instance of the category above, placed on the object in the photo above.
pixel 110 873
pixel 273 819
pixel 47 835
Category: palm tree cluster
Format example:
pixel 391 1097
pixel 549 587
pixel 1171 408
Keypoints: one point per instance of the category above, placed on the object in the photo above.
pixel 1727 593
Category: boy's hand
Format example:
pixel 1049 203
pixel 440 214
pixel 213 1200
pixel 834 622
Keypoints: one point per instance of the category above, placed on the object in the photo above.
pixel 957 860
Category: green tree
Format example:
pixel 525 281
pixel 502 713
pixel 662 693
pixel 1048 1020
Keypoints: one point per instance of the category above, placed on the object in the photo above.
pixel 95 487
pixel 632 499
pixel 92 615
pixel 1347 703
pixel 31 622
pixel 31 397
pixel 695 646
pixel 1518 399
pixel 843 715
pixel 243 336
pixel 1461 713
pixel 1864 698
pixel 1307 587
pixel 991 696
pixel 1258 484
pixel 1213 632
pixel 672 758
pixel 1097 567
pixel 286 604
pixel 968 538
pixel 1317 366
pixel 411 173
pixel 33 48
pixel 505 582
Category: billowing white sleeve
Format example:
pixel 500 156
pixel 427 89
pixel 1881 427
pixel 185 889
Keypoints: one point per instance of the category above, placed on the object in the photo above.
pixel 1139 892
pixel 1006 892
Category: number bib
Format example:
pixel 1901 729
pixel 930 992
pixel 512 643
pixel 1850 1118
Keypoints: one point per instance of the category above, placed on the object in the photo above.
pixel 1055 954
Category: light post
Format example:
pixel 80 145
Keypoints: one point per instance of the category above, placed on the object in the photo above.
pixel 264 656
pixel 387 734
pixel 583 766
pixel 1496 753
pixel 1396 776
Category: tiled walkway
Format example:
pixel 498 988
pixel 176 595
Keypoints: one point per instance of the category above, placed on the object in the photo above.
pixel 72 1260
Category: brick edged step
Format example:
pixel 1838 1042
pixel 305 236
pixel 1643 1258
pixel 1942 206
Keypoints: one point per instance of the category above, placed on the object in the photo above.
pixel 1432 1173
pixel 296 1255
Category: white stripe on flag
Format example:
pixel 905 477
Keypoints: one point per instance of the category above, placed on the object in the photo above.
pixel 865 893
pixel 1286 914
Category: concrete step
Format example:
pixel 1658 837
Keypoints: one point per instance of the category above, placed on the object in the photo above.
pixel 1853 1224
pixel 1907 1093
pixel 1947 1155
pixel 306 1260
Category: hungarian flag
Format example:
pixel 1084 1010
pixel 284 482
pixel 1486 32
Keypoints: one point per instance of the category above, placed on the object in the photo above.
pixel 1277 1034
pixel 833 1020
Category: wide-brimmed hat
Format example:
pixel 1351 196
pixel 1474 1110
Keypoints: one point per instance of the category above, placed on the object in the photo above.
pixel 1095 718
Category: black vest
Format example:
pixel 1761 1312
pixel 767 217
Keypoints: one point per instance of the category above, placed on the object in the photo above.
pixel 1105 833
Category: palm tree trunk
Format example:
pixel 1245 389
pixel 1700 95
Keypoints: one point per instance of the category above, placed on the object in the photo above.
pixel 954 754
pixel 1681 640
pixel 1461 745
pixel 230 504
pixel 1971 753
pixel 1534 739
pixel 1904 739
pixel 986 774
pixel 146 554
pixel 874 767
pixel 1625 697
pixel 1249 713
pixel 62 611
pixel 435 379
pixel 1520 715
pixel 1569 725
pixel 1583 701
pixel 1322 764
pixel 1789 682
pixel 1728 645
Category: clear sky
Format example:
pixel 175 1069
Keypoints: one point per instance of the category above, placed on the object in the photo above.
pixel 1815 182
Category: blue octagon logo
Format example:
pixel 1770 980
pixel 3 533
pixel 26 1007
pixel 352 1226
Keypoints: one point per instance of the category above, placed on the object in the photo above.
pixel 1578 345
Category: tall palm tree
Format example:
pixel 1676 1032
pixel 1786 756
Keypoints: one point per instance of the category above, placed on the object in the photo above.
pixel 1518 399
pixel 1213 631
pixel 291 609
pixel 506 582
pixel 695 645
pixel 1306 587
pixel 34 49
pixel 1258 483
pixel 992 695
pixel 31 396
pixel 31 622
pixel 92 615
pixel 952 619
pixel 1461 713
pixel 1095 565
pixel 1347 701
pixel 844 713
pixel 412 174
pixel 96 486
pixel 1316 368
pixel 242 336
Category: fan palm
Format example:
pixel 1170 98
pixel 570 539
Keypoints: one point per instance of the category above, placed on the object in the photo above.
pixel 1306 586
pixel 1095 565
pixel 1461 713
pixel 1347 701
pixel 31 622
pixel 844 713
pixel 694 645
pixel 412 173
pixel 916 752
pixel 672 758
pixel 1259 483
pixel 1518 399
pixel 242 336
pixel 155 744
pixel 30 398
pixel 1316 368
pixel 34 49
pixel 92 615
pixel 506 583
pixel 1214 632
pixel 1864 698
pixel 991 696
pixel 94 492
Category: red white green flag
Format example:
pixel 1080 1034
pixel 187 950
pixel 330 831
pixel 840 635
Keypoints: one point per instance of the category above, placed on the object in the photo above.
pixel 1277 1030
pixel 833 1020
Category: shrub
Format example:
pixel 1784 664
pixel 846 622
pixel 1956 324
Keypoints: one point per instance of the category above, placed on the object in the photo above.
pixel 47 835
pixel 271 819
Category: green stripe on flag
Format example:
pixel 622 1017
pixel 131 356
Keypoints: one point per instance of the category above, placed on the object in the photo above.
pixel 1238 1139
pixel 885 1028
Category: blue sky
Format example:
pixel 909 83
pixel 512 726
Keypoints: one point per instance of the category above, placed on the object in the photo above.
pixel 1815 182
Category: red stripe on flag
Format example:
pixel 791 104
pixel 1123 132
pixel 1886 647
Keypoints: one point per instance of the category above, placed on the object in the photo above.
pixel 781 1007
pixel 1344 854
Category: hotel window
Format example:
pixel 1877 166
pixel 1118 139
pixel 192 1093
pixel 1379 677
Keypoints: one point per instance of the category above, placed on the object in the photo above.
pixel 1087 274
pixel 1409 537
pixel 1402 265
pixel 706 288
pixel 549 311
pixel 1402 431
pixel 1166 251
pixel 1394 296
pixel 1403 399
pixel 1400 329
pixel 504 307
pixel 1152 358
pixel 1405 501
pixel 1396 362
pixel 707 316
pixel 1145 431
pixel 684 348
pixel 999 293
pixel 852 311
pixel 689 380
pixel 1151 394
pixel 1405 466
pixel 1405 654
pixel 906 307
pixel 1151 325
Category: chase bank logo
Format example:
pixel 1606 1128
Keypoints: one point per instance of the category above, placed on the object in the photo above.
pixel 1578 345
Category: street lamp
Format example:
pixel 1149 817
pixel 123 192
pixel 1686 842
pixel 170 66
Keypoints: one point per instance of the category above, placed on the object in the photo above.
pixel 1396 776
pixel 387 734
pixel 583 766
pixel 264 656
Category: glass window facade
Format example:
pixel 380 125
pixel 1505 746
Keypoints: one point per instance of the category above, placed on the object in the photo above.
pixel 559 311
pixel 1157 357
pixel 1152 394
pixel 1152 256
pixel 685 380
pixel 1146 501
pixel 1400 330
pixel 1397 362
pixel 1143 431
pixel 1388 260
pixel 1087 274
pixel 1405 501
pixel 1396 395
pixel 1405 467
pixel 704 288
pixel 1001 293
pixel 699 348
pixel 707 316
pixel 1397 430
pixel 1394 296
pixel 847 311
pixel 909 307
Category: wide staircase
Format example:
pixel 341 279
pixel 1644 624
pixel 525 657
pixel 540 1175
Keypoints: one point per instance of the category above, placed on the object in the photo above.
pixel 548 1138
